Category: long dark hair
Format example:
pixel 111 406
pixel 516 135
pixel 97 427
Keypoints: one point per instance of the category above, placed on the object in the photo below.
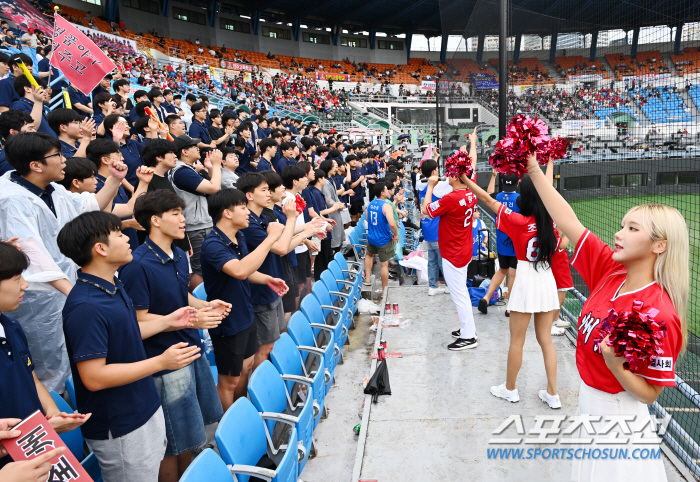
pixel 531 205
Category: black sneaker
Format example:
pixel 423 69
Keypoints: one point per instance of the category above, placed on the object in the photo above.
pixel 461 344
pixel 456 333
pixel 483 306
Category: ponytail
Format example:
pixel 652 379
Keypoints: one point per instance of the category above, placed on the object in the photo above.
pixel 532 205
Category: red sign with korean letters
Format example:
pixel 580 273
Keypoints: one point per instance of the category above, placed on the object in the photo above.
pixel 80 60
pixel 37 438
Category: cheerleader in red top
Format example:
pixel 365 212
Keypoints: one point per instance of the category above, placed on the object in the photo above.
pixel 562 276
pixel 534 289
pixel 649 264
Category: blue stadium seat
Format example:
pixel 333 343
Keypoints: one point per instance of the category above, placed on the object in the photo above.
pixel 339 310
pixel 92 467
pixel 351 286
pixel 70 388
pixel 207 467
pixel 199 292
pixel 301 333
pixel 359 248
pixel 269 394
pixel 319 321
pixel 243 439
pixel 338 298
pixel 73 439
pixel 286 358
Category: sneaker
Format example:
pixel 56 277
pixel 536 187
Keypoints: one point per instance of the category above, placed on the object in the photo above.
pixel 462 344
pixel 446 290
pixel 483 306
pixel 455 334
pixel 501 391
pixel 366 283
pixel 562 324
pixel 435 291
pixel 557 331
pixel 551 400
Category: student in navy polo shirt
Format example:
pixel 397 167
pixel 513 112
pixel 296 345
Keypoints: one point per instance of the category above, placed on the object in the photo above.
pixel 268 149
pixel 198 130
pixel 157 281
pixel 267 304
pixel 168 102
pixel 13 122
pixel 103 151
pixel 110 368
pixel 175 125
pixel 20 391
pixel 32 100
pixel 73 131
pixel 117 128
pixel 229 269
pixel 246 158
pixel 287 157
pixel 155 96
pixel 357 200
pixel 104 106
pixel 7 88
pixel 139 96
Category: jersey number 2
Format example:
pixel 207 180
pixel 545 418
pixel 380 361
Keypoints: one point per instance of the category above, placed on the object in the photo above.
pixel 468 217
pixel 533 249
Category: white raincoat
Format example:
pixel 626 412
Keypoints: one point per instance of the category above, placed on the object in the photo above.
pixel 24 215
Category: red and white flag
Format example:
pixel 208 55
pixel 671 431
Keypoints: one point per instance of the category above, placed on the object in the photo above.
pixel 80 60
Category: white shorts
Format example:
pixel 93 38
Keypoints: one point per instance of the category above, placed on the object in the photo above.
pixel 534 291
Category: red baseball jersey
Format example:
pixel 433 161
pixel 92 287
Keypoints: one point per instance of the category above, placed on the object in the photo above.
pixel 604 278
pixel 456 210
pixel 522 230
pixel 561 269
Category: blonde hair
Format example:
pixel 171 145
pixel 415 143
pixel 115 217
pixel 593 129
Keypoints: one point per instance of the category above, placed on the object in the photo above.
pixel 671 272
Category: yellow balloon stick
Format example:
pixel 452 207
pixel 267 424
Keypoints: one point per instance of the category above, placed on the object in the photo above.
pixel 28 74
pixel 66 99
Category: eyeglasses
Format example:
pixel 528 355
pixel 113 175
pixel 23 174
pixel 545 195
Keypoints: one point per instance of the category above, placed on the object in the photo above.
pixel 51 155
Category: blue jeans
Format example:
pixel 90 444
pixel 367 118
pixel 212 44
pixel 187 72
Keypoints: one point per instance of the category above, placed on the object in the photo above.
pixel 434 263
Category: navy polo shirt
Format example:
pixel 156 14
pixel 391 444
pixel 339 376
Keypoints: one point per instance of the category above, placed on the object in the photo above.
pixel 99 321
pixel 133 116
pixel 131 151
pixel 371 167
pixel 244 159
pixel 276 161
pixel 199 131
pixel 320 201
pixel 45 66
pixel 4 165
pixel 188 179
pixel 98 117
pixel 7 91
pixel 255 234
pixel 263 165
pixel 17 389
pixel 67 149
pixel 310 203
pixel 77 97
pixel 169 108
pixel 284 162
pixel 122 197
pixel 158 283
pixel 358 190
pixel 27 105
pixel 43 194
pixel 279 214
pixel 217 250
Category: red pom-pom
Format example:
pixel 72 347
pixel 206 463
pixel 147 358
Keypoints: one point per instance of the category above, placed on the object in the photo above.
pixel 635 335
pixel 554 149
pixel 459 163
pixel 524 136
pixel 301 204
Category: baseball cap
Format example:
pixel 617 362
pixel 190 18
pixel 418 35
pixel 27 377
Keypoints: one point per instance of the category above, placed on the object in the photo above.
pixel 185 141
pixel 509 180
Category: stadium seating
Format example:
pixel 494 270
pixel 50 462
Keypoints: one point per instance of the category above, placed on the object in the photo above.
pixel 286 358
pixel 269 394
pixel 300 331
pixel 208 467
pixel 578 65
pixel 243 440
pixel 312 309
pixel 73 439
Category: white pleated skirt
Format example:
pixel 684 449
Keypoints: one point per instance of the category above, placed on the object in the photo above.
pixel 534 291
pixel 616 461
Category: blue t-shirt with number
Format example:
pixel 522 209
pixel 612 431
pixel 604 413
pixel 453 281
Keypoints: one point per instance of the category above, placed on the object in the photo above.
pixel 378 230
pixel 504 245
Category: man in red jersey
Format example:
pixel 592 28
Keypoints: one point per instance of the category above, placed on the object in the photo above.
pixel 455 241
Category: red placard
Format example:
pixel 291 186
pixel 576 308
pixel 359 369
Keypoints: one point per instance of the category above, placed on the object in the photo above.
pixel 38 437
pixel 80 60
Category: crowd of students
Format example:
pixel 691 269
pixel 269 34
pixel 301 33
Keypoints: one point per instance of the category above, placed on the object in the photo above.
pixel 98 189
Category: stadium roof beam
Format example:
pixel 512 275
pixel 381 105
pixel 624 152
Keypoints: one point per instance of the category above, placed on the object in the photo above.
pixel 432 18
pixel 367 6
pixel 552 7
pixel 315 8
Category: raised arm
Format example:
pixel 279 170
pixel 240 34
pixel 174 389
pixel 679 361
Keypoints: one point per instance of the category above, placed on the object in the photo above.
pixel 492 182
pixel 472 147
pixel 483 196
pixel 243 268
pixel 558 208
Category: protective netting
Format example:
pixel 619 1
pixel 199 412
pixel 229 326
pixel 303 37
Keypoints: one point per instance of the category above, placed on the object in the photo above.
pixel 623 86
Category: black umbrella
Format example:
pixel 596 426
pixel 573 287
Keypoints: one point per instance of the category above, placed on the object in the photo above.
pixel 379 383
pixel 403 136
pixel 454 137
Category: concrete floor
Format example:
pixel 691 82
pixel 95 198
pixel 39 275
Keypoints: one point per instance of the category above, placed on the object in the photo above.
pixel 437 423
